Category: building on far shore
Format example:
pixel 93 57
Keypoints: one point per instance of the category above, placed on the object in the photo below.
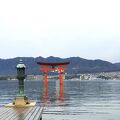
pixel 34 77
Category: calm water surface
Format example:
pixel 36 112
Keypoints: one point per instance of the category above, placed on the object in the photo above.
pixel 75 100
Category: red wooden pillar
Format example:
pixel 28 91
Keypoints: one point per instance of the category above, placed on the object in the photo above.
pixel 60 77
pixel 45 85
pixel 60 68
pixel 45 91
pixel 45 77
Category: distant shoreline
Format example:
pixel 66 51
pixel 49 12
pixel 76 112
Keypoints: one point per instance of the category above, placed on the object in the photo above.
pixel 90 76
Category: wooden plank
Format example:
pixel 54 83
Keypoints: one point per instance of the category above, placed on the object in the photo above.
pixel 34 114
pixel 16 113
pixel 24 113
pixel 4 113
pixel 39 114
pixel 8 114
pixel 30 114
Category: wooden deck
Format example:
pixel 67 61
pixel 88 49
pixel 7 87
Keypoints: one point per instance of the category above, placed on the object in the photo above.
pixel 23 113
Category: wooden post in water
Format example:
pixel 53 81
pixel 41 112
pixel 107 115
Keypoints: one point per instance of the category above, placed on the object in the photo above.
pixel 45 86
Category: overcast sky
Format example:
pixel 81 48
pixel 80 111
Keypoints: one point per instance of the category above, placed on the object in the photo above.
pixel 86 28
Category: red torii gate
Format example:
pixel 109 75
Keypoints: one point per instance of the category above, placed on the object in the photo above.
pixel 50 66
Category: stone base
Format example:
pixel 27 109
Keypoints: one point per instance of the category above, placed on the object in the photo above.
pixel 21 102
pixel 27 105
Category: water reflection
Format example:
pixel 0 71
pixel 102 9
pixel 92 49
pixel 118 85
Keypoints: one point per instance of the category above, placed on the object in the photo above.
pixel 58 92
pixel 61 92
pixel 45 94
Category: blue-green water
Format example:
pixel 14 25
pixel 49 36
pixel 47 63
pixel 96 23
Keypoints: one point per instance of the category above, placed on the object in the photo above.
pixel 79 100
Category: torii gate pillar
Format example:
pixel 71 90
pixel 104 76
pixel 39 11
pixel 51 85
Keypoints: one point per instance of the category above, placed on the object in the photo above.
pixel 45 77
pixel 60 77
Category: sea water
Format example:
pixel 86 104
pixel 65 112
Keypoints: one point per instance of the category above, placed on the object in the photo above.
pixel 74 100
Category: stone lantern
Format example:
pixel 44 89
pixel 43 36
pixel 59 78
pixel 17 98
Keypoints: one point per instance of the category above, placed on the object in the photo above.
pixel 21 100
pixel 21 76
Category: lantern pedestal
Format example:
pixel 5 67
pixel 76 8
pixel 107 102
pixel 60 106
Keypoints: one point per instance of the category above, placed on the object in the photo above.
pixel 21 101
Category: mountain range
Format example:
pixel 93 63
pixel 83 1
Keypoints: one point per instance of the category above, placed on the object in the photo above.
pixel 77 65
